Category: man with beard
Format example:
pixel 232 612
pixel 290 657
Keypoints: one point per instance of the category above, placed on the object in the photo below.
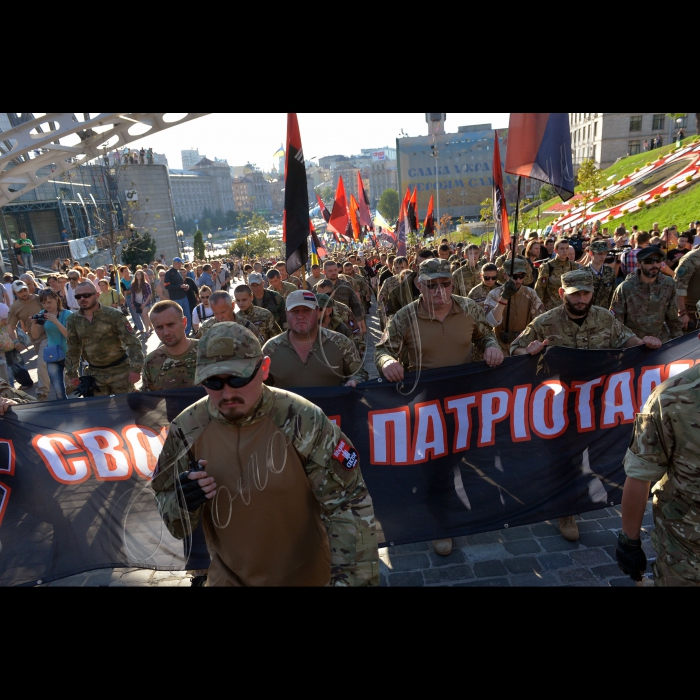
pixel 577 324
pixel 304 516
pixel 646 301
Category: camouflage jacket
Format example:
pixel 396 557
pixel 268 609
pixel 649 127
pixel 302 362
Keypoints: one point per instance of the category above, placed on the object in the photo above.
pixel 274 303
pixel 688 277
pixel 287 289
pixel 239 319
pixel 8 392
pixel 600 331
pixel 491 302
pixel 664 451
pixel 549 281
pixel 346 506
pixel 101 342
pixel 466 278
pixel 162 372
pixel 263 321
pixel 403 294
pixel 480 292
pixel 398 334
pixel 648 309
pixel 383 297
pixel 345 292
pixel 503 265
pixel 361 285
pixel 603 285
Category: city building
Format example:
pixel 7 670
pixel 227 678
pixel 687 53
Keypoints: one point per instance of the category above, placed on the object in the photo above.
pixel 206 185
pixel 379 154
pixel 383 176
pixel 190 158
pixel 251 192
pixel 605 137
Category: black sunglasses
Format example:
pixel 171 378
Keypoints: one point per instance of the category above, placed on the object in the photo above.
pixel 490 278
pixel 85 296
pixel 519 276
pixel 652 261
pixel 216 384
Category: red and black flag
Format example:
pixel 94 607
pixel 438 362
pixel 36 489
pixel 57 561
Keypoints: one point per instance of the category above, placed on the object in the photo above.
pixel 365 213
pixel 355 218
pixel 412 212
pixel 324 209
pixel 296 199
pixel 340 218
pixel 429 225
pixel 501 230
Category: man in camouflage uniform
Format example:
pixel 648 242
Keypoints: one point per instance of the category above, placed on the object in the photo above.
pixel 603 275
pixel 576 323
pixel 280 493
pixel 400 264
pixel 12 397
pixel 688 289
pixel 408 289
pixel 343 291
pixel 173 364
pixel 469 276
pixel 503 264
pixel 509 309
pixel 549 278
pixel 308 355
pixel 646 301
pixel 262 319
pixel 267 299
pixel 358 282
pixel 440 329
pixel 489 276
pixel 224 312
pixel 664 451
pixel 284 289
pixel 104 338
pixel 327 317
pixel 343 312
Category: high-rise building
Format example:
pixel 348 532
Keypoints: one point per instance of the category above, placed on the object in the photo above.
pixel 206 185
pixel 190 158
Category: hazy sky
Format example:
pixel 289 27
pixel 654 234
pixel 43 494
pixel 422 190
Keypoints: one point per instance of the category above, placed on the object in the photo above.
pixel 254 137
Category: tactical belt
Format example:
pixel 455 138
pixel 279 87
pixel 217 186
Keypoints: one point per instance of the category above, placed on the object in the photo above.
pixel 114 364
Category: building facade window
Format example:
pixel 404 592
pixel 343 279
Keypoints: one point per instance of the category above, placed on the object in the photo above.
pixel 634 147
pixel 659 122
pixel 636 123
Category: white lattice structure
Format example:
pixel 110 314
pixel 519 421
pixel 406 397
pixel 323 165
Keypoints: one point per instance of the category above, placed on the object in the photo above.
pixel 50 144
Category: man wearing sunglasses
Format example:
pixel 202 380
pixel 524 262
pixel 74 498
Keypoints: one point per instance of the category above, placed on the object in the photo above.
pixel 489 277
pixel 646 301
pixel 106 340
pixel 280 494
pixel 308 355
pixel 524 304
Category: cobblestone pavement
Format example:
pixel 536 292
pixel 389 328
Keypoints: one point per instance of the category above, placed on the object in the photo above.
pixel 535 555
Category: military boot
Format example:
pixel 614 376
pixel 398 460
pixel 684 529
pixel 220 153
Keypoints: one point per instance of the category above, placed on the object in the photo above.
pixel 443 547
pixel 569 528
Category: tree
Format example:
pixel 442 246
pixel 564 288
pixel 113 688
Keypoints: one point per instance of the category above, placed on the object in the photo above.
pixel 327 195
pixel 589 180
pixel 547 192
pixel 198 245
pixel 486 212
pixel 388 205
pixel 139 250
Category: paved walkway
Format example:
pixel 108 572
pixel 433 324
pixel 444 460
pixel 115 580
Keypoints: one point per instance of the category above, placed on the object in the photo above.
pixel 535 555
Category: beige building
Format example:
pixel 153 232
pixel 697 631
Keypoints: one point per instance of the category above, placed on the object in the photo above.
pixel 383 176
pixel 606 137
pixel 251 192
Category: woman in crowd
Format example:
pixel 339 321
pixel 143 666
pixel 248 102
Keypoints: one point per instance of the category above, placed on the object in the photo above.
pixel 109 296
pixel 55 320
pixel 532 255
pixel 141 298
pixel 126 283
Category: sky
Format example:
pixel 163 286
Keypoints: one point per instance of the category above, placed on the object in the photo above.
pixel 254 137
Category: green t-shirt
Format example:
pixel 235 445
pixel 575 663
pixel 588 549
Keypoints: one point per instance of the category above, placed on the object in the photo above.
pixel 25 245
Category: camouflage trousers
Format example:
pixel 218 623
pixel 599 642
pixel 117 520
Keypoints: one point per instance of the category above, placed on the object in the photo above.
pixel 676 563
pixel 113 380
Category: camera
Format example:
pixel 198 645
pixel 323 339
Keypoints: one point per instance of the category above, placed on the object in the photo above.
pixel 39 318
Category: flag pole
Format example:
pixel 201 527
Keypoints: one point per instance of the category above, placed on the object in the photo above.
pixel 512 261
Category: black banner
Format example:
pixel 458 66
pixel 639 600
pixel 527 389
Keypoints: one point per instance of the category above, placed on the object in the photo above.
pixel 448 453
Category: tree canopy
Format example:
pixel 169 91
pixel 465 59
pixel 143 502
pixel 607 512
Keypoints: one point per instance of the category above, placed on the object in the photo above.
pixel 388 205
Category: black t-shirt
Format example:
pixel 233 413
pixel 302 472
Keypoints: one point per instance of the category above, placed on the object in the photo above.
pixel 675 255
pixel 173 280
pixel 192 292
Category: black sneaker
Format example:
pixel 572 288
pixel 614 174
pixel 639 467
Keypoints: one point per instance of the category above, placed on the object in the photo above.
pixel 199 581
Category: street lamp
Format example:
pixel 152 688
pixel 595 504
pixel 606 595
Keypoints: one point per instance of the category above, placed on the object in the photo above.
pixel 679 121
pixel 180 242
pixel 211 245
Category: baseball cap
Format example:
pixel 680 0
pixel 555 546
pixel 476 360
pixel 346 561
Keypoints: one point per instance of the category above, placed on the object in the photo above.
pixel 227 348
pixel 519 267
pixel 177 260
pixel 433 269
pixel 647 252
pixel 302 298
pixel 255 278
pixel 599 247
pixel 324 301
pixel 577 281
pixel 18 286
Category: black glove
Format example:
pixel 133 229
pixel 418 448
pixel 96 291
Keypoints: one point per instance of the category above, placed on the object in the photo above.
pixel 631 558
pixel 508 290
pixel 190 493
pixel 87 386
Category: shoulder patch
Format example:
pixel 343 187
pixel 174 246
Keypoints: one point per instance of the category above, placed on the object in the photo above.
pixel 128 327
pixel 346 455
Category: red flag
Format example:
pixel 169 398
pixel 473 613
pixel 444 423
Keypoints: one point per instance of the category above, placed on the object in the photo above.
pixel 501 234
pixel 320 248
pixel 296 199
pixel 413 211
pixel 402 230
pixel 365 214
pixel 340 219
pixel 355 218
pixel 324 209
pixel 429 225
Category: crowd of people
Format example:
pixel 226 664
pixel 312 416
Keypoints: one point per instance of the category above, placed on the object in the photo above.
pixel 250 332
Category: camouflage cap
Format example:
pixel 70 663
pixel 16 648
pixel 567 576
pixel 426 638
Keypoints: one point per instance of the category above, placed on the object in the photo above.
pixel 599 247
pixel 577 281
pixel 228 348
pixel 324 301
pixel 433 269
pixel 519 267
